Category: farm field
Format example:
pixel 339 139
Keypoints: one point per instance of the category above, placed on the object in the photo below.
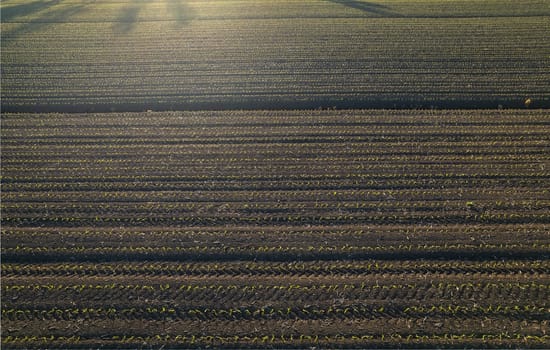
pixel 275 174
pixel 138 55
pixel 276 229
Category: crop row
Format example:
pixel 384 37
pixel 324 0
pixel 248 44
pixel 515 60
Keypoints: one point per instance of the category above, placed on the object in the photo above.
pixel 114 184
pixel 279 253
pixel 213 118
pixel 371 148
pixel 324 231
pixel 278 241
pixel 464 287
pixel 330 219
pixel 350 179
pixel 171 163
pixel 429 231
pixel 306 312
pixel 40 195
pixel 321 205
pixel 300 176
pixel 364 133
pixel 233 294
pixel 174 169
pixel 369 133
pixel 368 146
pixel 318 268
pixel 300 341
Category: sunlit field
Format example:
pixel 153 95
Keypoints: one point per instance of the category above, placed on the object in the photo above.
pixel 81 56
pixel 275 174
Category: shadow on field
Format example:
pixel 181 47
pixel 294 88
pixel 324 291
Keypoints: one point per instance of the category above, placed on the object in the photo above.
pixel 180 10
pixel 367 6
pixel 177 10
pixel 44 13
pixel 128 17
pixel 9 13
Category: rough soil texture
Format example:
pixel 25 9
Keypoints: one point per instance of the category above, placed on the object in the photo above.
pixel 276 229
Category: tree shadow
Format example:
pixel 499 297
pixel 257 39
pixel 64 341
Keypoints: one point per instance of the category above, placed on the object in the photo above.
pixel 127 18
pixel 181 11
pixel 49 16
pixel 8 13
pixel 367 6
